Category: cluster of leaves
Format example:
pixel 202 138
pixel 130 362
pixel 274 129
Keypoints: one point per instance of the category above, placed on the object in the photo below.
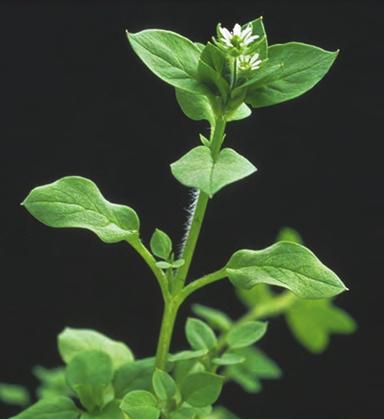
pixel 102 374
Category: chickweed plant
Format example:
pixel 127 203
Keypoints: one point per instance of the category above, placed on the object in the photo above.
pixel 219 82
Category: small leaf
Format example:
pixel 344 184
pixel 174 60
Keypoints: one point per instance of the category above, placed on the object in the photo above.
pixel 178 263
pixel 296 68
pixel 221 413
pixel 200 335
pixel 215 318
pixel 14 394
pixel 201 389
pixel 163 385
pixel 229 359
pixel 134 376
pixel 259 294
pixel 245 334
pixel 172 57
pixel 204 140
pixel 161 244
pixel 140 404
pixel 76 202
pixel 288 234
pixel 52 408
pixel 197 169
pixel 163 265
pixel 242 112
pixel 53 382
pixel 72 341
pixel 89 374
pixel 196 107
pixel 312 323
pixel 284 264
pixel 185 355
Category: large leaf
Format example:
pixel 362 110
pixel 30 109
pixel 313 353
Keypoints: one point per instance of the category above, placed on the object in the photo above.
pixel 72 341
pixel 198 169
pixel 172 57
pixel 195 106
pixel 75 201
pixel 52 408
pixel 285 264
pixel 312 323
pixel 291 70
pixel 89 374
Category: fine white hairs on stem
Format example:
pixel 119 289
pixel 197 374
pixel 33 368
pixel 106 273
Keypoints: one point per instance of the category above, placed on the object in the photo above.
pixel 190 210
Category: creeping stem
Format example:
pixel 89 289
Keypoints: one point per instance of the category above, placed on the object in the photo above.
pixel 217 136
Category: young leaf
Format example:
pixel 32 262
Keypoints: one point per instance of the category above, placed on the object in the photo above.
pixel 52 382
pixel 201 389
pixel 89 374
pixel 74 201
pixel 228 358
pixel 200 335
pixel 52 408
pixel 284 264
pixel 215 318
pixel 242 112
pixel 288 234
pixel 133 376
pixel 196 107
pixel 185 355
pixel 312 323
pixel 14 394
pixel 163 385
pixel 140 404
pixel 245 334
pixel 72 341
pixel 297 68
pixel 221 413
pixel 161 244
pixel 197 169
pixel 172 57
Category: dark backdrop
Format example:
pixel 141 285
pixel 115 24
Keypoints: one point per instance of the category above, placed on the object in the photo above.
pixel 75 100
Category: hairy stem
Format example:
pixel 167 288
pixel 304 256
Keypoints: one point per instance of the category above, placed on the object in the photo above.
pixel 217 137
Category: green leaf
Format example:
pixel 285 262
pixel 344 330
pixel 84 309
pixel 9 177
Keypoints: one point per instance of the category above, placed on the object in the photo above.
pixel 222 413
pixel 197 169
pixel 257 366
pixel 72 341
pixel 229 358
pixel 172 57
pixel 177 263
pixel 215 318
pixel 288 234
pixel 140 404
pixel 200 335
pixel 74 201
pixel 14 394
pixel 89 374
pixel 196 107
pixel 284 264
pixel 53 382
pixel 242 112
pixel 111 411
pixel 201 389
pixel 52 408
pixel 261 46
pixel 163 385
pixel 161 244
pixel 296 68
pixel 185 355
pixel 134 376
pixel 259 294
pixel 245 334
pixel 312 323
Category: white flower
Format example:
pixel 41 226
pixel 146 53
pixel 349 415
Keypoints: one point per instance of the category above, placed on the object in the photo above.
pixel 249 62
pixel 239 38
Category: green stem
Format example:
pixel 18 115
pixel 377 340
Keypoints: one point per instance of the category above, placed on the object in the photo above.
pixel 138 245
pixel 202 282
pixel 200 209
pixel 166 331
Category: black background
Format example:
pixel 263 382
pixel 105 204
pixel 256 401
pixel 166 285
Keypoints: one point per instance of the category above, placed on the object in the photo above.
pixel 75 100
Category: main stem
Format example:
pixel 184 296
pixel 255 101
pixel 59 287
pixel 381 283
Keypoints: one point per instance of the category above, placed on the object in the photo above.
pixel 171 306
